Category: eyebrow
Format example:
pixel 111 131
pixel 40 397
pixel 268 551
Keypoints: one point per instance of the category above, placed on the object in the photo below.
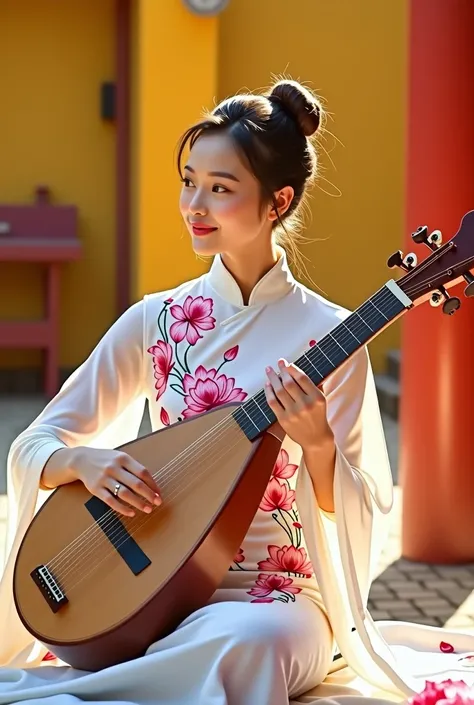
pixel 221 174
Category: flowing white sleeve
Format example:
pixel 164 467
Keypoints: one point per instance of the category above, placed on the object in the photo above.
pixel 101 405
pixel 363 482
pixel 345 546
pixel 92 399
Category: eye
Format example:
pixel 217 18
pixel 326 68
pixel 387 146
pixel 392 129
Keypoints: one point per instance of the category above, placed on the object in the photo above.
pixel 223 189
pixel 187 182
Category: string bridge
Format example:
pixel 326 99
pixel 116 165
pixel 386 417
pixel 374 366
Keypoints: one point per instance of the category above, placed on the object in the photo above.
pixel 49 588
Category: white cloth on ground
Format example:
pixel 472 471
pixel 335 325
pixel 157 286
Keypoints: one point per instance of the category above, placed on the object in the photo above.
pixel 230 653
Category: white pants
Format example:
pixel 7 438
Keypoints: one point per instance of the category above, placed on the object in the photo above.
pixel 228 653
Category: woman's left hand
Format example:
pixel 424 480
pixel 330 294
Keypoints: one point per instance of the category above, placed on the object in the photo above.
pixel 298 404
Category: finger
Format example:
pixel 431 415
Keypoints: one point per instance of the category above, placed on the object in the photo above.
pixel 135 468
pixel 279 391
pixel 132 490
pixel 114 503
pixel 302 380
pixel 290 384
pixel 272 401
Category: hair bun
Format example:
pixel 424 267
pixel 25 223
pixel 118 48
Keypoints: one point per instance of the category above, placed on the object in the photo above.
pixel 300 103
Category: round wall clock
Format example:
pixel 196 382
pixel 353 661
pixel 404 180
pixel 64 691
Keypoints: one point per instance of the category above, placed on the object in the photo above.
pixel 206 7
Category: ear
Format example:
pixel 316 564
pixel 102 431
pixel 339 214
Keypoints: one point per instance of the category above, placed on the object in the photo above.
pixel 283 199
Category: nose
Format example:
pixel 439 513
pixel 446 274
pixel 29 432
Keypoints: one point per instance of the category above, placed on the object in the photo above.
pixel 197 205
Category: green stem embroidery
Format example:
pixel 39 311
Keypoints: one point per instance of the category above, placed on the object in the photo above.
pixel 284 527
pixel 177 358
pixel 290 533
pixel 186 364
pixel 177 389
pixel 221 365
pixel 163 330
pixel 238 566
pixel 290 595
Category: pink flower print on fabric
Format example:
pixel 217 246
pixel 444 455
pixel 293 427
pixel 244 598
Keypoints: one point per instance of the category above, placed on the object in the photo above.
pixel 287 559
pixel 277 496
pixel 265 585
pixel 207 390
pixel 191 318
pixel 162 365
pixel 283 468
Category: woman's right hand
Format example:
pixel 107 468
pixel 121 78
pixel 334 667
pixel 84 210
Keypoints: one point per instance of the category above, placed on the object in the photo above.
pixel 101 471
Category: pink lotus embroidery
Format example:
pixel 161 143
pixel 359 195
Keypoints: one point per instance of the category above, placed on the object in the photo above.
pixel 283 468
pixel 162 365
pixel 239 557
pixel 277 496
pixel 231 354
pixel 207 390
pixel 266 584
pixel 192 317
pixel 444 692
pixel 164 417
pixel 287 559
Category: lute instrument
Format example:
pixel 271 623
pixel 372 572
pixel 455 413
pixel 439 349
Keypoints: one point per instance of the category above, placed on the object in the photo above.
pixel 98 588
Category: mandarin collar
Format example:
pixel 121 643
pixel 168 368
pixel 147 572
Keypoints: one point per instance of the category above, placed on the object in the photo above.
pixel 275 284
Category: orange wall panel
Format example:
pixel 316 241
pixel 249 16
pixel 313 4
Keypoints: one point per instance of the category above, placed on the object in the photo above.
pixel 354 55
pixel 54 56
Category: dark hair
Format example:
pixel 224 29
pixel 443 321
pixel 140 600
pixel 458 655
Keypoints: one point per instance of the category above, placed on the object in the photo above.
pixel 273 133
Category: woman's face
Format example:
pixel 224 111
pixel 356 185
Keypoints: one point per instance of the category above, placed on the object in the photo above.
pixel 221 199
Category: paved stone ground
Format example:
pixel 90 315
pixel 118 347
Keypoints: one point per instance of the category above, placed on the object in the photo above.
pixel 428 594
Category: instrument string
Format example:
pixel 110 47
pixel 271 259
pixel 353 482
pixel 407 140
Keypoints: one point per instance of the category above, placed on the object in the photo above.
pixel 175 468
pixel 165 476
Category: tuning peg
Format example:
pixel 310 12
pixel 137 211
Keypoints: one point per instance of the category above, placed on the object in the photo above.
pixel 435 240
pixel 451 303
pixel 421 237
pixel 469 290
pixel 398 260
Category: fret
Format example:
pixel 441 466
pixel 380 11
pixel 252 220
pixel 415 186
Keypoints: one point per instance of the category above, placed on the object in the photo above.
pixel 255 416
pixel 334 354
pixel 305 360
pixel 262 410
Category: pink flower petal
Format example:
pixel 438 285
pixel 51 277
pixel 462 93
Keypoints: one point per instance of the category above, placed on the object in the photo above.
pixel 178 313
pixel 164 417
pixel 446 648
pixel 231 354
pixel 178 331
pixel 192 334
pixel 267 600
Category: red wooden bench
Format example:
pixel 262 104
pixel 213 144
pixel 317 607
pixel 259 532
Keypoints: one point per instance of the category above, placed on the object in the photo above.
pixel 45 234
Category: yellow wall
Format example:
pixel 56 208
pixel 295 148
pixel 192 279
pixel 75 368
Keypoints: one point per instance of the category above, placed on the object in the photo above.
pixel 176 68
pixel 54 56
pixel 354 55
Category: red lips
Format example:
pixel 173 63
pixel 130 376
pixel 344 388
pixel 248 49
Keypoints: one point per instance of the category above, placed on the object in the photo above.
pixel 202 229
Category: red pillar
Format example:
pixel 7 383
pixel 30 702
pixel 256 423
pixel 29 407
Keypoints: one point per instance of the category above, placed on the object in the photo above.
pixel 437 402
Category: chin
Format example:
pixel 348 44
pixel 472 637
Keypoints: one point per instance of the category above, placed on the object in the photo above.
pixel 205 246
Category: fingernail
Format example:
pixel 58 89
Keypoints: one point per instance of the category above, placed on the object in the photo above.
pixel 157 500
pixel 268 369
pixel 147 509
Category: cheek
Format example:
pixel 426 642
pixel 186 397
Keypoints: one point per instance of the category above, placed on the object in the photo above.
pixel 184 200
pixel 243 210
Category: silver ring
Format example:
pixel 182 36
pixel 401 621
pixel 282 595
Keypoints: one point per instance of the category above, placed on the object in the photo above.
pixel 117 489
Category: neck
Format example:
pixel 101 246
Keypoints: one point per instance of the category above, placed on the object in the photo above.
pixel 249 266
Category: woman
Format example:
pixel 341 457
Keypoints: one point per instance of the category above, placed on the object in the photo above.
pixel 270 631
